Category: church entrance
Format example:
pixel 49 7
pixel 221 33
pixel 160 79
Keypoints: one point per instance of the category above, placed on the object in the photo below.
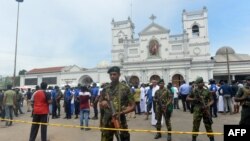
pixel 155 77
pixel 134 80
pixel 177 79
pixel 85 80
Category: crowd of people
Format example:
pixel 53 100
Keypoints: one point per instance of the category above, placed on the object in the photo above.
pixel 119 100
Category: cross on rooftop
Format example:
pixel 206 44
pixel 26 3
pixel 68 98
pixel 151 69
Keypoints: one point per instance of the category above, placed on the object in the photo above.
pixel 152 17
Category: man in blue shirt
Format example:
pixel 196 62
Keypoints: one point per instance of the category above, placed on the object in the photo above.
pixel 184 91
pixel 54 105
pixel 226 91
pixel 67 100
pixel 213 89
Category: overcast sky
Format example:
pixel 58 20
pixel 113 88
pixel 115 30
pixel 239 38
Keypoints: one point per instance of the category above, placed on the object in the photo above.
pixel 78 32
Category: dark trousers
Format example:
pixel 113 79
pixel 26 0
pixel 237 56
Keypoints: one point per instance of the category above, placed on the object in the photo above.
pixel 176 103
pixel 58 108
pixel 77 107
pixel 95 109
pixel 214 108
pixel 185 103
pixel 138 107
pixel 149 106
pixel 68 109
pixel 2 115
pixel 35 127
pixel 54 108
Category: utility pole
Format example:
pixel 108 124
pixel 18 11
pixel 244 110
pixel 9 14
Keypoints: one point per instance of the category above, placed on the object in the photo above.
pixel 14 75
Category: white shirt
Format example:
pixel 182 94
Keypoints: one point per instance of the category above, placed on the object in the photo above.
pixel 175 92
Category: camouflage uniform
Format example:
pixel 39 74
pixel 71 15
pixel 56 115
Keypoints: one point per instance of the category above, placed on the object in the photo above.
pixel 204 96
pixel 19 96
pixel 162 98
pixel 113 92
pixel 58 100
pixel 245 112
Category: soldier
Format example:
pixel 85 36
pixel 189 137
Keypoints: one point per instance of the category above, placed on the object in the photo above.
pixel 58 100
pixel 56 97
pixel 116 97
pixel 94 94
pixel 243 96
pixel 163 99
pixel 202 100
pixel 19 96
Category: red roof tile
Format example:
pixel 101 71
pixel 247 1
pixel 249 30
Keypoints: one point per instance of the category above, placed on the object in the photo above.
pixel 45 70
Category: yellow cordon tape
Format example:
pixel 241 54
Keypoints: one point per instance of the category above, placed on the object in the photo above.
pixel 114 129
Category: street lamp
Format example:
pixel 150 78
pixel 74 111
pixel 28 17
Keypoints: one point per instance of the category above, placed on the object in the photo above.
pixel 14 75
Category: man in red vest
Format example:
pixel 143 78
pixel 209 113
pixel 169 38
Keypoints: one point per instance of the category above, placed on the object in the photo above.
pixel 41 100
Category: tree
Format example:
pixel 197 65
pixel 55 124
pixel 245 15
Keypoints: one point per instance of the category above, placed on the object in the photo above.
pixel 22 72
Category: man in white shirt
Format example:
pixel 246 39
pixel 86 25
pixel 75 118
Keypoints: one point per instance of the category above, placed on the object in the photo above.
pixel 176 97
pixel 143 99
pixel 155 88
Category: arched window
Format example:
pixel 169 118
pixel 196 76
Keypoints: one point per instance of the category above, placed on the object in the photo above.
pixel 195 30
pixel 121 36
pixel 120 40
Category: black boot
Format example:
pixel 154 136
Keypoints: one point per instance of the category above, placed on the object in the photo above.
pixel 157 136
pixel 211 138
pixel 169 137
pixel 194 138
pixel 76 117
pixel 125 136
pixel 94 117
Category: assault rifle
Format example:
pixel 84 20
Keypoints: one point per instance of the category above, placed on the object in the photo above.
pixel 204 110
pixel 162 107
pixel 115 120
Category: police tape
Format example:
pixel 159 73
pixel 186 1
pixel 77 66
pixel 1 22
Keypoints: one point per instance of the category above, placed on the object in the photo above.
pixel 113 129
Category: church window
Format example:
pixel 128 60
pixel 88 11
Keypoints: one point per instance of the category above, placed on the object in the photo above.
pixel 195 30
pixel 120 40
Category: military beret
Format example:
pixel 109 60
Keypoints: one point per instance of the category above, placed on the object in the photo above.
pixel 199 80
pixel 160 81
pixel 248 78
pixel 114 69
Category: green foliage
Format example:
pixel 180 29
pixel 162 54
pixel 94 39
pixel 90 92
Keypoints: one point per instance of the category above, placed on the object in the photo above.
pixel 22 72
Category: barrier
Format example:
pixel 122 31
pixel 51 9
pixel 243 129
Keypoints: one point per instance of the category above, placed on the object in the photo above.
pixel 114 129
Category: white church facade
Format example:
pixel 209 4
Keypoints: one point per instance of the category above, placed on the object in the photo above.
pixel 155 54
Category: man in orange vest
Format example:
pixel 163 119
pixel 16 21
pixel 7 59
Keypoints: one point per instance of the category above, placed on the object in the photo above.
pixel 41 100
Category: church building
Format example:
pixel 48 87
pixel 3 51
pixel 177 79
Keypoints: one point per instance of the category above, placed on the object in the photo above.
pixel 155 54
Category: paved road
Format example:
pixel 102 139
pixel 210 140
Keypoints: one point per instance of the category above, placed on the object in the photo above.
pixel 181 121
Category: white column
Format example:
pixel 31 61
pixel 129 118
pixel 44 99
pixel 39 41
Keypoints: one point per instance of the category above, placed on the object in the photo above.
pixel 186 75
pixel 39 80
pixel 233 76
